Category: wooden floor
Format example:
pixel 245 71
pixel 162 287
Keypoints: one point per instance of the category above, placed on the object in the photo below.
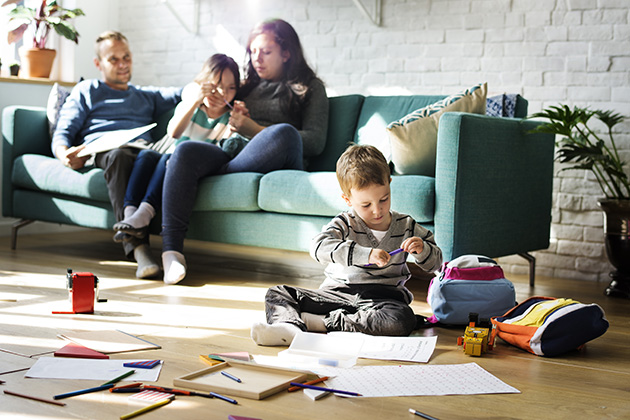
pixel 212 310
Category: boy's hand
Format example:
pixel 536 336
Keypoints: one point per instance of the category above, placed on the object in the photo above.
pixel 379 257
pixel 413 245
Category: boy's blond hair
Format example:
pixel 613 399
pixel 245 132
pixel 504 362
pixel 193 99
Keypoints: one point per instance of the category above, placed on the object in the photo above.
pixel 360 166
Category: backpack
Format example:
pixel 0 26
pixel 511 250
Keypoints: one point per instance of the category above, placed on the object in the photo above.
pixel 470 283
pixel 547 326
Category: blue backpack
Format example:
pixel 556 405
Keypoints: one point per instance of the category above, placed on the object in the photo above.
pixel 470 283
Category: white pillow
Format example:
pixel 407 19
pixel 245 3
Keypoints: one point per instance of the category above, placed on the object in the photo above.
pixel 56 98
pixel 413 138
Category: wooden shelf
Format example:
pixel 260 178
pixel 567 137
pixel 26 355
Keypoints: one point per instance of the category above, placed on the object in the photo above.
pixel 35 80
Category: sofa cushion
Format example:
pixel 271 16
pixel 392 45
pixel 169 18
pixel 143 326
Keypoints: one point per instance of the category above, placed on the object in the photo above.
pixel 318 194
pixel 414 137
pixel 378 111
pixel 56 98
pixel 342 123
pixel 42 173
pixel 238 191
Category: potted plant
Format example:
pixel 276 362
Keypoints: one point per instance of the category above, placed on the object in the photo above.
pixel 14 68
pixel 585 148
pixel 37 61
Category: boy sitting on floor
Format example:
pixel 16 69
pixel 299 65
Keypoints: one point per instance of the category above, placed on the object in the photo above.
pixel 364 290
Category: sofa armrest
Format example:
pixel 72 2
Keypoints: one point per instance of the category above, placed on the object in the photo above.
pixel 24 130
pixel 494 184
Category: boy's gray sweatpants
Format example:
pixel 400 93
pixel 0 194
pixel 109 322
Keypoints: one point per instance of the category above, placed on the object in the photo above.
pixel 373 309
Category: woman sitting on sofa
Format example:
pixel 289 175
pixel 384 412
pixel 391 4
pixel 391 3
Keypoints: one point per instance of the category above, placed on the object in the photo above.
pixel 284 113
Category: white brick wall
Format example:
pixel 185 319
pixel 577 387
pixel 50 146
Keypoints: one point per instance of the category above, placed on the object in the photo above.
pixel 549 51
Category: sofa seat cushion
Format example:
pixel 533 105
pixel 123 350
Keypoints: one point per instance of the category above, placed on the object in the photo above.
pixel 43 173
pixel 236 192
pixel 319 194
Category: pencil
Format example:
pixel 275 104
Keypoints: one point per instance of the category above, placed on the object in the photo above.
pixel 30 397
pixel 133 385
pixel 419 414
pixel 120 378
pixel 321 388
pixel 145 409
pixel 82 391
pixel 313 382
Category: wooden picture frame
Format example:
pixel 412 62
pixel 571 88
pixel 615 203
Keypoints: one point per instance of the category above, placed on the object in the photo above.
pixel 257 381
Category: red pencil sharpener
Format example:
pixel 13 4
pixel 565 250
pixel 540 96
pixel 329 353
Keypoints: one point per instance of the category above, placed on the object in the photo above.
pixel 83 291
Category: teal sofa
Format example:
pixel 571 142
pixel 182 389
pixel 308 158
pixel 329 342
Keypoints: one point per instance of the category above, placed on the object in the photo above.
pixel 491 193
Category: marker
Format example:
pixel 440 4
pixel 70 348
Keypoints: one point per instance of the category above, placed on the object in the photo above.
pixel 424 416
pixel 313 382
pixel 147 408
pixel 34 398
pixel 83 391
pixel 321 388
pixel 224 398
pixel 120 378
pixel 229 375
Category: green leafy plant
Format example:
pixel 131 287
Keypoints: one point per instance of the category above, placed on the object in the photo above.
pixel 48 15
pixel 581 145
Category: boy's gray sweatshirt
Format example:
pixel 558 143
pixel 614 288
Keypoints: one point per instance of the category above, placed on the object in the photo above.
pixel 346 241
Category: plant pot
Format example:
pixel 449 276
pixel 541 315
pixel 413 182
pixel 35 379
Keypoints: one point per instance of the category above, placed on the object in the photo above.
pixel 14 70
pixel 37 62
pixel 617 241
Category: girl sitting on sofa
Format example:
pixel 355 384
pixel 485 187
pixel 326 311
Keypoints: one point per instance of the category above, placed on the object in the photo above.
pixel 284 113
pixel 201 115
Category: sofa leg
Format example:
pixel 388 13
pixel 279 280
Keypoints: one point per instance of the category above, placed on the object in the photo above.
pixel 14 230
pixel 532 267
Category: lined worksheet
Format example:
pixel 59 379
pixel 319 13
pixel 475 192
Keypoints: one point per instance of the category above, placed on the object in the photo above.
pixel 415 380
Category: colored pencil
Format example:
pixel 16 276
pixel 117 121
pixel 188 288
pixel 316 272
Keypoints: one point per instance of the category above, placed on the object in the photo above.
pixel 321 388
pixel 177 391
pixel 419 414
pixel 133 385
pixel 229 375
pixel 30 397
pixel 83 391
pixel 147 408
pixel 313 382
pixel 120 378
pixel 394 252
pixel 224 398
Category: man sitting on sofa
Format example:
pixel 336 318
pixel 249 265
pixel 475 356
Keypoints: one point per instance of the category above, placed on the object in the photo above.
pixel 111 103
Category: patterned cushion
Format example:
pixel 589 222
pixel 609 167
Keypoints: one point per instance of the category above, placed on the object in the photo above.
pixel 501 105
pixel 56 98
pixel 413 138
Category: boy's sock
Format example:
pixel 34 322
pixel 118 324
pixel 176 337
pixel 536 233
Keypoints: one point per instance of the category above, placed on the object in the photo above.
pixel 314 322
pixel 280 334
pixel 147 266
pixel 129 211
pixel 174 265
pixel 141 217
